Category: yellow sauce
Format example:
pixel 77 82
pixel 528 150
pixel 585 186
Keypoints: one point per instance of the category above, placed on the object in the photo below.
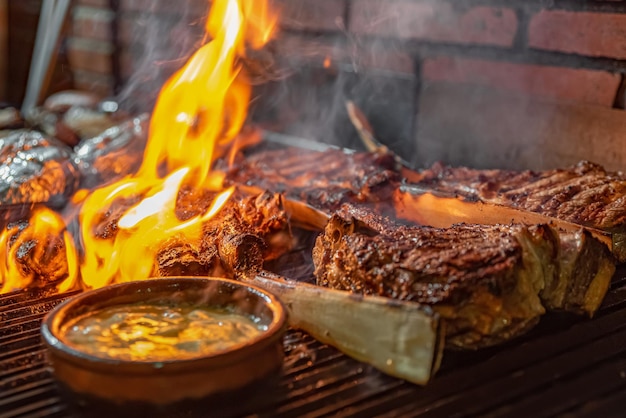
pixel 159 333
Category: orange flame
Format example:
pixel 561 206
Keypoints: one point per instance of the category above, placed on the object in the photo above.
pixel 199 111
pixel 41 249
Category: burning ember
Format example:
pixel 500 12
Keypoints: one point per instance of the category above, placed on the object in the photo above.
pixel 124 225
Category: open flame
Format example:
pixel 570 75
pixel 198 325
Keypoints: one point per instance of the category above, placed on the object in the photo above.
pixel 199 112
pixel 25 257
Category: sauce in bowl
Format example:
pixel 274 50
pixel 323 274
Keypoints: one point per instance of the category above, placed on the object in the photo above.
pixel 151 332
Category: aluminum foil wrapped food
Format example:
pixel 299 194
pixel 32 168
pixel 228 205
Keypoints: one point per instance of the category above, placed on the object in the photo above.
pixel 35 169
pixel 10 118
pixel 114 153
pixel 73 125
pixel 72 116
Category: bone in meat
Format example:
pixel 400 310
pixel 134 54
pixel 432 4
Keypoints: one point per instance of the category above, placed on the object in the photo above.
pixel 400 338
pixel 490 283
pixel 325 179
pixel 584 194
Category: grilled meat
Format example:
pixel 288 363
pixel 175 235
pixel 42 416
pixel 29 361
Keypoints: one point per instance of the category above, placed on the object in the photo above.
pixel 325 179
pixel 490 283
pixel 235 243
pixel 584 194
pixel 246 232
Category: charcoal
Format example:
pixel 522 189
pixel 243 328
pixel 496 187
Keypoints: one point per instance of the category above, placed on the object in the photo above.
pixel 235 243
pixel 106 222
pixel 62 101
pixel 86 122
pixel 178 258
pixel 34 169
pixel 71 116
pixel 242 254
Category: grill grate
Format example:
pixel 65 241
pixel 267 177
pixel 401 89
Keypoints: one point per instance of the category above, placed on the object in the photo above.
pixel 565 366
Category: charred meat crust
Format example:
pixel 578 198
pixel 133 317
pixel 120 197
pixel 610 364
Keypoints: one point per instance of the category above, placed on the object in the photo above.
pixel 245 233
pixel 479 278
pixel 325 179
pixel 490 283
pixel 585 194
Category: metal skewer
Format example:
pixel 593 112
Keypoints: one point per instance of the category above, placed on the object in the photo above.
pixel 51 20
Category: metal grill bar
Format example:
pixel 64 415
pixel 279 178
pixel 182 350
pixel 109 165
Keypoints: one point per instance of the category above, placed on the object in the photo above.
pixel 565 365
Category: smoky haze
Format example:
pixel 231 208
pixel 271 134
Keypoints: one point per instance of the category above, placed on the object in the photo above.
pixel 299 97
pixel 160 38
pixel 452 81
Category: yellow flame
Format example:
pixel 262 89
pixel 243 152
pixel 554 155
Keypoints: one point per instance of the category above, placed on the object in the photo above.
pixel 41 236
pixel 199 111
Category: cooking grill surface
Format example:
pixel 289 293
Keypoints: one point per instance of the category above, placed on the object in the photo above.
pixel 566 366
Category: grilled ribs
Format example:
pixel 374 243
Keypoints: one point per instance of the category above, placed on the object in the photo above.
pixel 324 179
pixel 585 194
pixel 490 283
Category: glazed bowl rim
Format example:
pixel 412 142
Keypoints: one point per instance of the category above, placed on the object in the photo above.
pixel 53 321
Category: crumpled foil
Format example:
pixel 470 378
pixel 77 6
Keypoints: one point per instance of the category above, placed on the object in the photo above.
pixel 35 169
pixel 113 154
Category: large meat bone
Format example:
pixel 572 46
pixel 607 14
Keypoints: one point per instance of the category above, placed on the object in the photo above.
pixel 402 339
pixel 440 210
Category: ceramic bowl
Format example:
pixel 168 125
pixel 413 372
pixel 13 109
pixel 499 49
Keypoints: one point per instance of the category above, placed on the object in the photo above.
pixel 214 384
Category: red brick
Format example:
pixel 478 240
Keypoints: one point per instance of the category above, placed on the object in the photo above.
pixel 89 55
pixel 3 48
pixel 96 83
pixel 569 84
pixel 324 15
pixel 158 32
pixel 440 21
pixel 481 128
pixel 320 53
pixel 95 3
pixel 92 23
pixel 594 34
pixel 193 7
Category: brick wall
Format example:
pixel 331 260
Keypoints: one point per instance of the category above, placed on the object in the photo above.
pixel 114 44
pixel 516 83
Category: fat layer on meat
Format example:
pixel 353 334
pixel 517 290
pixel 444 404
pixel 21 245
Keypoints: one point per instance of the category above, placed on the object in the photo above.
pixel 585 194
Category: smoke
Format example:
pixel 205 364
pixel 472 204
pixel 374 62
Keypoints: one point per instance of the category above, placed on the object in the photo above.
pixel 298 95
pixel 325 72
pixel 157 41
pixel 409 78
pixel 311 102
